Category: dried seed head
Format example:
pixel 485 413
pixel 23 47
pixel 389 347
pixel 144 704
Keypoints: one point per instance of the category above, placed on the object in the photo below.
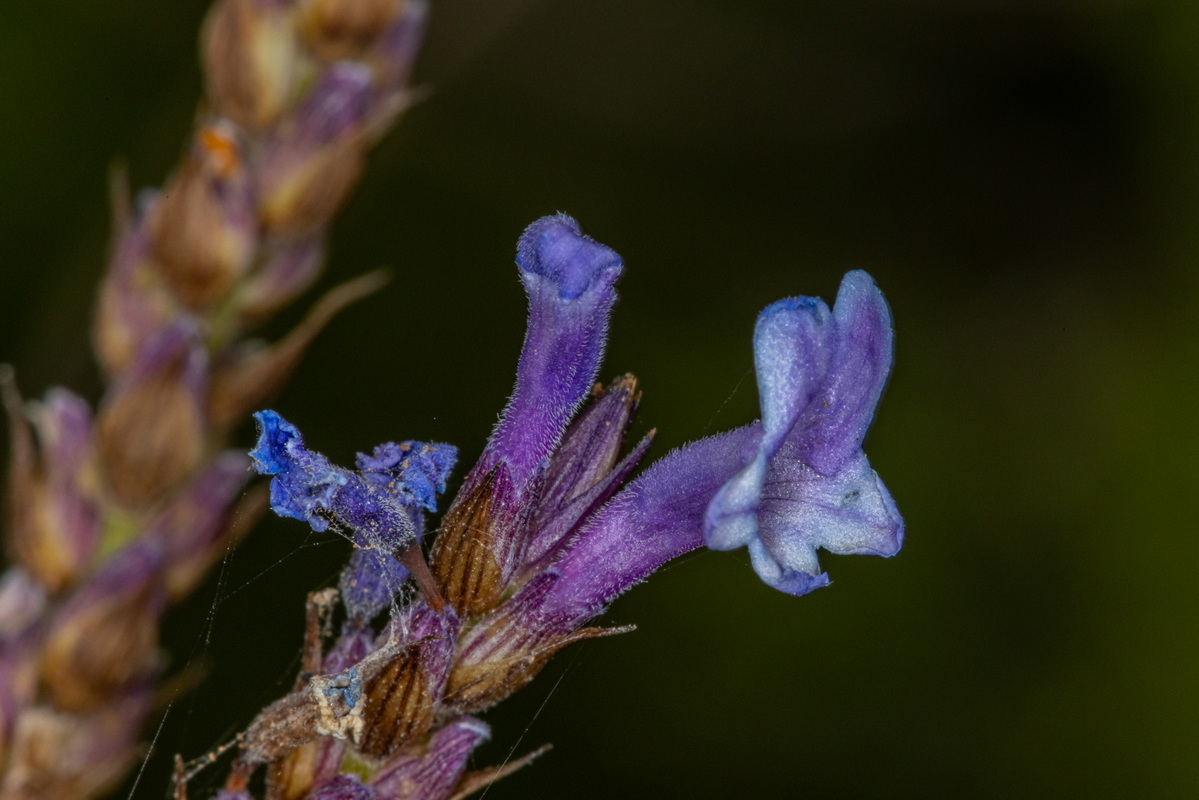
pixel 311 164
pixel 104 640
pixel 337 29
pixel 134 301
pixel 63 756
pixel 251 60
pixel 203 231
pixel 53 503
pixel 151 427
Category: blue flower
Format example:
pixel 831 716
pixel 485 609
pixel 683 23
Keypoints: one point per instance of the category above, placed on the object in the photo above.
pixel 820 375
pixel 381 503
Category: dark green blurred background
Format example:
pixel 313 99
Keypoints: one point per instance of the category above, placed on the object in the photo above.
pixel 1020 178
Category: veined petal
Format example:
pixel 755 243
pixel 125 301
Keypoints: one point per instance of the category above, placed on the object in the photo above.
pixel 837 419
pixel 851 513
pixel 794 341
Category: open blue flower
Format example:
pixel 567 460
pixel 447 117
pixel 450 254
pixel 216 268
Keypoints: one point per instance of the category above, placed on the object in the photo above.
pixel 820 375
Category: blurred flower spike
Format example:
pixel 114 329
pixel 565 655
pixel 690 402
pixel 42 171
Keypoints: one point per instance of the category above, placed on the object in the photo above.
pixel 820 375
pixel 550 526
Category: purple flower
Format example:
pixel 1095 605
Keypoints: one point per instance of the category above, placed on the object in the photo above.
pixel 569 278
pixel 820 375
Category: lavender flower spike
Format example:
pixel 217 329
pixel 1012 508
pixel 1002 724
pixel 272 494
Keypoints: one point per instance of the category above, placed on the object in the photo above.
pixel 569 278
pixel 820 375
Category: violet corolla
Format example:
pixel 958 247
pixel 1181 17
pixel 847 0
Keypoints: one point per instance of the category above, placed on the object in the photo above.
pixel 820 375
pixel 549 526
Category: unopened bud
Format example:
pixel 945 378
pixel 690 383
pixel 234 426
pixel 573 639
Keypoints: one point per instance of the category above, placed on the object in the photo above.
pixel 134 300
pixel 65 756
pixel 251 59
pixel 432 771
pixel 289 266
pixel 337 29
pixel 583 473
pixel 314 161
pixel 104 640
pixel 53 503
pixel 203 230
pixel 151 427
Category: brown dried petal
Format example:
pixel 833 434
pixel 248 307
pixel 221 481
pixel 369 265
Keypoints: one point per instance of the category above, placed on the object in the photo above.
pixel 203 231
pixel 399 704
pixel 250 60
pixel 151 428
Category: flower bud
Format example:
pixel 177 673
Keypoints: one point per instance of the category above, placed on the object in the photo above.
pixel 289 266
pixel 203 230
pixel 251 59
pixel 337 29
pixel 104 639
pixel 134 301
pixel 312 163
pixel 432 770
pixel 56 523
pixel 64 756
pixel 151 427
pixel 583 473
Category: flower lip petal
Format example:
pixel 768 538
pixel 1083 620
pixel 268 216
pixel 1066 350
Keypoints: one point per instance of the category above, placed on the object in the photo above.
pixel 794 340
pixel 841 414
